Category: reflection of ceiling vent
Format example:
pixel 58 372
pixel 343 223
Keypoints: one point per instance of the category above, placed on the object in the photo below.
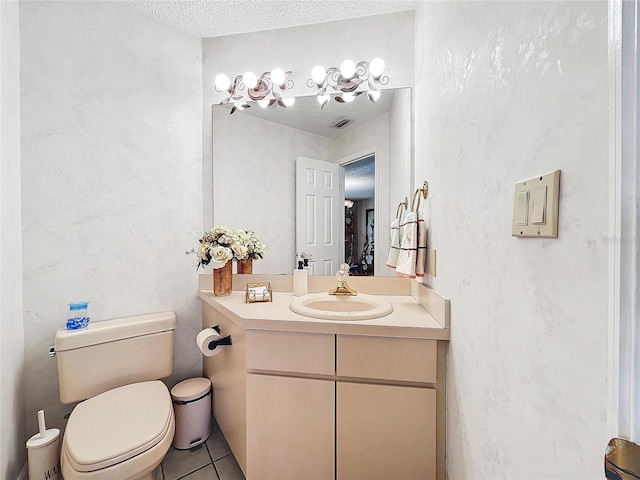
pixel 343 122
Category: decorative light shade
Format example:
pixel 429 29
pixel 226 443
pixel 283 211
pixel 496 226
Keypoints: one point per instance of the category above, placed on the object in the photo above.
pixel 349 79
pixel 289 101
pixel 376 67
pixel 278 77
pixel 373 95
pixel 323 99
pixel 348 97
pixel 318 74
pixel 222 82
pixel 348 69
pixel 262 89
pixel 250 80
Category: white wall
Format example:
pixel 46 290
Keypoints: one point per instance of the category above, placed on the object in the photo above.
pixel 401 182
pixel 506 91
pixel 111 177
pixel 299 49
pixel 12 416
pixel 262 196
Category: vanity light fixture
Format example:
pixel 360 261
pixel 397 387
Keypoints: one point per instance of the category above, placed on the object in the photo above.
pixel 261 89
pixel 347 79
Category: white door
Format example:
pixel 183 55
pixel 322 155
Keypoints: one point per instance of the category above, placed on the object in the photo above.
pixel 319 214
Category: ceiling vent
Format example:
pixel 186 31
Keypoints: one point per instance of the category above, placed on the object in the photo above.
pixel 343 122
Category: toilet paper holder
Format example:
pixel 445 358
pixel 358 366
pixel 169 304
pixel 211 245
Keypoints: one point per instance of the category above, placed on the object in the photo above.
pixel 223 341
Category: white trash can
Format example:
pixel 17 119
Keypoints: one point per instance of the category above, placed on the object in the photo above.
pixel 192 408
pixel 43 453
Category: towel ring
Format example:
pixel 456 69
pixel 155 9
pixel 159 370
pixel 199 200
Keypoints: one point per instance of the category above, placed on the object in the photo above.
pixel 425 192
pixel 414 207
pixel 404 204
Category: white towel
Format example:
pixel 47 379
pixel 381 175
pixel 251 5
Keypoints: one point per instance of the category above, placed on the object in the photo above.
pixel 408 247
pixel 394 251
pixel 421 257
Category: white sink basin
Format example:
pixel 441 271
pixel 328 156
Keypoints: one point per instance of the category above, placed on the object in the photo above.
pixel 341 307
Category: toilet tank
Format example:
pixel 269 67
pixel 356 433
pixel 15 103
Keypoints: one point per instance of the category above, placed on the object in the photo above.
pixel 113 353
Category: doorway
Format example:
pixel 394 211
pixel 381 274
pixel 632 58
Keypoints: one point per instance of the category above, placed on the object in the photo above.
pixel 359 214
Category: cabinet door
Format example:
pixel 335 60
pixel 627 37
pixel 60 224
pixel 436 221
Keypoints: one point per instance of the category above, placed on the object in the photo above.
pixel 290 428
pixel 385 432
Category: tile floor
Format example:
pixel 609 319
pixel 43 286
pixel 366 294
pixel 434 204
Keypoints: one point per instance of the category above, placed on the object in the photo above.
pixel 211 461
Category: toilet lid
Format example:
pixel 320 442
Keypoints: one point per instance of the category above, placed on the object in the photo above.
pixel 117 425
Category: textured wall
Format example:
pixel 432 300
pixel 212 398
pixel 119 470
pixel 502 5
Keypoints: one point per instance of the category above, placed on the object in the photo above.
pixel 401 182
pixel 506 91
pixel 299 49
pixel 111 145
pixel 12 428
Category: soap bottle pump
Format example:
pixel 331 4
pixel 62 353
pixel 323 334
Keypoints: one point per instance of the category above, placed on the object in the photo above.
pixel 307 267
pixel 300 280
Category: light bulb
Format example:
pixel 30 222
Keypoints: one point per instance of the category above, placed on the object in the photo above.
pixel 289 101
pixel 264 103
pixel 222 82
pixel 348 69
pixel 373 95
pixel 323 99
pixel 278 77
pixel 376 67
pixel 250 80
pixel 318 74
pixel 348 97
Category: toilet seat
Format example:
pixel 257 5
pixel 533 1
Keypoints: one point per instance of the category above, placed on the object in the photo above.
pixel 117 425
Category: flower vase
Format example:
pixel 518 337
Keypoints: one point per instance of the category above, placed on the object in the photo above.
pixel 245 266
pixel 222 278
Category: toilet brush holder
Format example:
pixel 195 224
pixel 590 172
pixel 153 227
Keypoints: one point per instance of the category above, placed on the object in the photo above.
pixel 43 451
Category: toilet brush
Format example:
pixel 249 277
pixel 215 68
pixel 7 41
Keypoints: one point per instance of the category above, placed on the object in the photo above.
pixel 44 451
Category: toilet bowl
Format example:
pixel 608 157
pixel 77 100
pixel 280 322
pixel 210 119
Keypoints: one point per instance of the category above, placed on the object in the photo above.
pixel 125 425
pixel 123 433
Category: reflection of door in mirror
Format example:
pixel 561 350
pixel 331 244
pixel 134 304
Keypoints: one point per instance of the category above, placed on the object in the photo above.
pixel 359 194
pixel 318 214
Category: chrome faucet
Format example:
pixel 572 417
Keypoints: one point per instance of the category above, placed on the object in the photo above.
pixel 341 277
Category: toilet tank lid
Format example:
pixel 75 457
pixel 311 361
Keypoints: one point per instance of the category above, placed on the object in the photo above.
pixel 116 329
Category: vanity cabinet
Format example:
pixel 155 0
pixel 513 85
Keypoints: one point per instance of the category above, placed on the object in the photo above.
pixel 328 402
pixel 385 432
pixel 290 428
pixel 324 406
pixel 290 419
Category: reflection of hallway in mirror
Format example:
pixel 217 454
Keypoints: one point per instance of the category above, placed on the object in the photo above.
pixel 359 194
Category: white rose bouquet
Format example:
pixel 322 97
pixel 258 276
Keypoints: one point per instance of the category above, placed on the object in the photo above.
pixel 221 244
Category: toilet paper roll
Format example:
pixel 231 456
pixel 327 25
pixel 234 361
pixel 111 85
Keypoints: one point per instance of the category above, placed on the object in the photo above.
pixel 204 338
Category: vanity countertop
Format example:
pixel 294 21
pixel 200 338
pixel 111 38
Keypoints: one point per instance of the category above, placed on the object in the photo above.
pixel 409 319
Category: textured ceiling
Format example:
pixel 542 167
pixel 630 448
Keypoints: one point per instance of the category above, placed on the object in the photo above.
pixel 213 18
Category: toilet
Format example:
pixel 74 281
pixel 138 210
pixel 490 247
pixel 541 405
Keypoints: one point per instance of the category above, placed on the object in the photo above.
pixel 124 424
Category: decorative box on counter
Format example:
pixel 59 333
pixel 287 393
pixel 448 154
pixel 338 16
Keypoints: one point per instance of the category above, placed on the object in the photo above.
pixel 258 292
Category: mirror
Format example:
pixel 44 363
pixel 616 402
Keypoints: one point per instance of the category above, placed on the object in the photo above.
pixel 254 167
